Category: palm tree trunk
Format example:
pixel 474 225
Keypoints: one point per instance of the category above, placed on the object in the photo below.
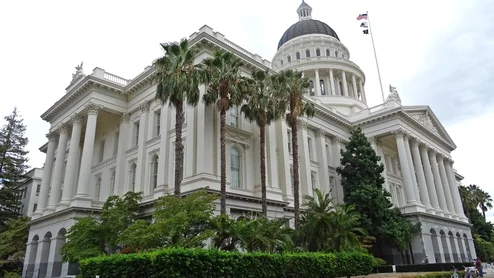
pixel 179 148
pixel 223 160
pixel 262 135
pixel 296 191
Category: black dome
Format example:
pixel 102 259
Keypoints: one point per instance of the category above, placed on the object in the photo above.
pixel 307 27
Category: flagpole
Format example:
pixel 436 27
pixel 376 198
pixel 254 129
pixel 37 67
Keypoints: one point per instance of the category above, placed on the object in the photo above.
pixel 375 56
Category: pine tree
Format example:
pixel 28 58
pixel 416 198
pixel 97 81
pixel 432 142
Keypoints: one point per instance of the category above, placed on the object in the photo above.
pixel 362 184
pixel 13 158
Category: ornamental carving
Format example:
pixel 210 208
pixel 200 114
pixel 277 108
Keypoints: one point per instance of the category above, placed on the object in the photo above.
pixel 93 109
pixel 52 137
pixel 319 132
pixel 238 136
pixel 125 118
pixel 77 119
pixel 64 128
pixel 399 134
pixel 144 106
pixel 425 120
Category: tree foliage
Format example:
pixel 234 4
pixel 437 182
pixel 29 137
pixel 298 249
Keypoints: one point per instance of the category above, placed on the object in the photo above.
pixel 13 159
pixel 92 236
pixel 178 84
pixel 362 182
pixel 13 239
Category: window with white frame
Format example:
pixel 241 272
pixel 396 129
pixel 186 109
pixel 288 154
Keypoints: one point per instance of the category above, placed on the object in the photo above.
pixel 154 173
pixel 309 147
pixel 297 55
pixel 112 183
pixel 38 189
pixel 101 150
pixel 289 59
pixel 289 136
pixel 234 117
pixel 97 188
pixel 307 53
pixel 327 52
pixel 133 174
pixel 136 133
pixel 157 122
pixel 318 52
pixel 235 168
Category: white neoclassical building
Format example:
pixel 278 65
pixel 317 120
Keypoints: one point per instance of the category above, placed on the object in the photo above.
pixel 109 135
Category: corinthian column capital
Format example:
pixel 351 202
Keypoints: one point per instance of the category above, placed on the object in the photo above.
pixel 76 119
pixel 144 106
pixel 51 136
pixel 64 128
pixel 93 109
pixel 399 133
pixel 125 118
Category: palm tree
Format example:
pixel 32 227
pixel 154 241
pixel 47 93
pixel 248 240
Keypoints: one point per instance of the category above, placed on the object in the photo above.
pixel 178 83
pixel 345 233
pixel 485 202
pixel 262 107
pixel 222 75
pixel 292 86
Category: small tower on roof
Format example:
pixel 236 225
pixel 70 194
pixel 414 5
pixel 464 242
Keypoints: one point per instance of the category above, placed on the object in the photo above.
pixel 304 11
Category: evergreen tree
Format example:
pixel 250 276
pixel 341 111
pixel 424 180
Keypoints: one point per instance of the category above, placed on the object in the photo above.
pixel 13 158
pixel 362 184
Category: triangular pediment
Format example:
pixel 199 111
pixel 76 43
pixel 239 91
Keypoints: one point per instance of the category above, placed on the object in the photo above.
pixel 427 118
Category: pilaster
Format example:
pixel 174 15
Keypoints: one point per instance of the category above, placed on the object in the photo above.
pixel 123 139
pixel 190 154
pixel 141 150
pixel 322 160
pixel 305 174
pixel 284 160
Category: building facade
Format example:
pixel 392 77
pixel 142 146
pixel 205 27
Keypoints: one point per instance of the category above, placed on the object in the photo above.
pixel 109 135
pixel 29 192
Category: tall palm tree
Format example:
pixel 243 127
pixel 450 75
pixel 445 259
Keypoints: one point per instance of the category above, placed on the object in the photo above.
pixel 485 202
pixel 178 83
pixel 221 73
pixel 292 86
pixel 262 107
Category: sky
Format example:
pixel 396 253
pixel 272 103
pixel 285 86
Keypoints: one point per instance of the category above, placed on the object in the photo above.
pixel 436 53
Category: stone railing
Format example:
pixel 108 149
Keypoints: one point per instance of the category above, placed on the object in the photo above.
pixel 379 107
pixel 104 163
pixel 116 79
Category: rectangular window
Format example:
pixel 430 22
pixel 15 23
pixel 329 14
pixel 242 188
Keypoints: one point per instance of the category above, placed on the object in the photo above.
pixel 234 116
pixel 309 146
pixel 157 123
pixel 328 154
pixel 136 133
pixel 38 189
pixel 115 143
pixel 101 150
pixel 35 206
pixel 289 135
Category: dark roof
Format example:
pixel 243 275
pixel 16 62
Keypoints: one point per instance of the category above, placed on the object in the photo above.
pixel 307 27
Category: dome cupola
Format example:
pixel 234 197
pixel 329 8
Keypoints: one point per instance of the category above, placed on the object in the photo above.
pixel 304 11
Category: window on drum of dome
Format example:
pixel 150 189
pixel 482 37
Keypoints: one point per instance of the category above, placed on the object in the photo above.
pixel 311 88
pixel 289 58
pixel 321 84
pixel 318 52
pixel 298 55
pixel 307 53
pixel 336 53
pixel 327 52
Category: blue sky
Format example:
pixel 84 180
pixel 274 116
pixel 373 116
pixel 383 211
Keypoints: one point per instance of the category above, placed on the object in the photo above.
pixel 435 52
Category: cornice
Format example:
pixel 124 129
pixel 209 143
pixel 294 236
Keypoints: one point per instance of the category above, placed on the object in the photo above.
pixel 80 89
pixel 400 113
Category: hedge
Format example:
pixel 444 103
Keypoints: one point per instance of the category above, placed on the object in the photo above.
pixel 423 267
pixel 213 263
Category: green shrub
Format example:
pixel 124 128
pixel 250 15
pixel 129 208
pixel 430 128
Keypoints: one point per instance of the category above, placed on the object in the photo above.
pixel 214 263
pixel 8 274
pixel 444 274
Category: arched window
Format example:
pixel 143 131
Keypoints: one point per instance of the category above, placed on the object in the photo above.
pixel 311 88
pixel 336 53
pixel 327 52
pixel 318 52
pixel 234 116
pixel 307 53
pixel 323 89
pixel 297 55
pixel 133 168
pixel 235 168
pixel 97 189
pixel 154 176
pixel 281 62
pixel 289 58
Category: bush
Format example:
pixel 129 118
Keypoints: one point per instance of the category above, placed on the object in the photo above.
pixel 445 274
pixel 10 266
pixel 422 267
pixel 214 263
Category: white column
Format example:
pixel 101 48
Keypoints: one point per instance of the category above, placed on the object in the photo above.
pixel 141 149
pixel 429 178
pixel 447 191
pixel 284 159
pixel 405 169
pixel 190 152
pixel 58 173
pixel 123 138
pixel 45 181
pixel 454 190
pixel 364 98
pixel 162 162
pixel 331 80
pixel 412 170
pixel 272 157
pixel 317 83
pixel 380 152
pixel 354 83
pixel 438 184
pixel 82 197
pixel 419 169
pixel 322 159
pixel 304 164
pixel 70 169
pixel 345 85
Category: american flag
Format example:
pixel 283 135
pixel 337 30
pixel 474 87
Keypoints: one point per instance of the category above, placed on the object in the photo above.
pixel 362 16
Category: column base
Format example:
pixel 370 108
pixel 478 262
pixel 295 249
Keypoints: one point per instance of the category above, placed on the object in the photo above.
pixel 439 212
pixel 455 217
pixel 430 210
pixel 49 210
pixel 37 214
pixel 447 214
pixel 81 201
pixel 464 219
pixel 410 208
pixel 160 191
pixel 63 205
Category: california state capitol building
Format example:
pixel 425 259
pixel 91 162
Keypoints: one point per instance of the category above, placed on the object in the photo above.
pixel 109 135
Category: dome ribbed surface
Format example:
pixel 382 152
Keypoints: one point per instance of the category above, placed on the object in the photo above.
pixel 307 27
